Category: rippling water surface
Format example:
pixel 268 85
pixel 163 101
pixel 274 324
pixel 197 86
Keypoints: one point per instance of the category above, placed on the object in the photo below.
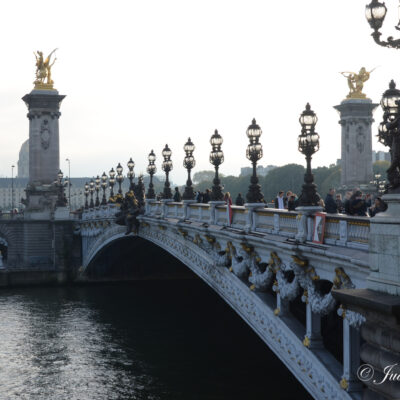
pixel 147 340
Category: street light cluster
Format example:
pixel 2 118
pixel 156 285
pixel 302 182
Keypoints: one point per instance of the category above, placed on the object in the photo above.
pixel 308 144
pixel 60 183
pixel 389 134
pixel 375 13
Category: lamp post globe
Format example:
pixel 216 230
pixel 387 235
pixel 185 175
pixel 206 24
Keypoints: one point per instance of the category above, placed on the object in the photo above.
pixel 254 153
pixel 189 163
pixel 97 182
pixel 131 174
pixel 167 168
pixel 375 12
pixel 216 159
pixel 111 181
pixel 61 199
pixel 104 187
pixel 308 144
pixel 86 195
pixel 91 191
pixel 389 134
pixel 151 170
pixel 119 177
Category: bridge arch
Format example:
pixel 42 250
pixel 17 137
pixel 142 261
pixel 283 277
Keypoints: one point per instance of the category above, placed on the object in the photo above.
pixel 251 306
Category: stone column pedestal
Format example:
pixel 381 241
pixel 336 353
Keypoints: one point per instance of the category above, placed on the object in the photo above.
pixel 251 207
pixel 148 202
pixel 304 224
pixel 384 248
pixel 44 149
pixel 164 203
pixel 378 314
pixel 213 204
pixel 185 207
pixel 356 138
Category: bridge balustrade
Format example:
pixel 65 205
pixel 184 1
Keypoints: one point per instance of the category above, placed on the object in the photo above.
pixel 340 230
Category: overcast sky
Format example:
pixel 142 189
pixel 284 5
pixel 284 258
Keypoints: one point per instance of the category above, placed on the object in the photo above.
pixel 140 74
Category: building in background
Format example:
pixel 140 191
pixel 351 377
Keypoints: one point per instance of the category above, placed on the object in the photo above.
pixel 380 156
pixel 23 160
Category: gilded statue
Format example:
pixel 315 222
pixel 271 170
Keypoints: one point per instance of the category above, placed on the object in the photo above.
pixel 43 70
pixel 356 83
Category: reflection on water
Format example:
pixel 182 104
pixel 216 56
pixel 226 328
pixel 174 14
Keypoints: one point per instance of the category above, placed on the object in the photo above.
pixel 148 340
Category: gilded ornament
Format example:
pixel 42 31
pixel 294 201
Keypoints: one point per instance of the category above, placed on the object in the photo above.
pixel 43 79
pixel 300 262
pixel 344 384
pixel 306 342
pixel 356 83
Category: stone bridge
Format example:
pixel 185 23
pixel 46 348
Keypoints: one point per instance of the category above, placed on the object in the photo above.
pixel 280 285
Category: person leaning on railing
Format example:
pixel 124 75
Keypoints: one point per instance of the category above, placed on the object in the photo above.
pixel 378 206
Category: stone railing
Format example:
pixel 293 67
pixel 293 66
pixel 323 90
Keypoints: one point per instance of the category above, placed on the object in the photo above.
pixel 340 230
pixel 103 212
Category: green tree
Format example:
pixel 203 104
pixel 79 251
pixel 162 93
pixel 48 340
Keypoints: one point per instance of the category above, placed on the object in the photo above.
pixel 288 177
pixel 201 176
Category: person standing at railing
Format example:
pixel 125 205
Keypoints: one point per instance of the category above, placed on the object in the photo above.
pixel 239 200
pixel 206 196
pixel 177 195
pixel 357 205
pixel 339 203
pixel 292 203
pixel 280 201
pixel 379 206
pixel 330 203
pixel 228 201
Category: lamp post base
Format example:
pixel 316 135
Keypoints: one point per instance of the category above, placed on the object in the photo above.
pixel 304 222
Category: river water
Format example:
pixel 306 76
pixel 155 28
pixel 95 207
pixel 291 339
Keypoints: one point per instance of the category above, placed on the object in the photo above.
pixel 146 340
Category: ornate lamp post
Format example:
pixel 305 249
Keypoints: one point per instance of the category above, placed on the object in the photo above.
pixel 111 181
pixel 151 170
pixel 120 177
pixel 91 191
pixel 308 142
pixel 61 200
pixel 189 162
pixel 104 187
pixel 216 159
pixel 254 153
pixel 380 184
pixel 86 195
pixel 375 13
pixel 131 174
pixel 167 168
pixel 97 188
pixel 389 134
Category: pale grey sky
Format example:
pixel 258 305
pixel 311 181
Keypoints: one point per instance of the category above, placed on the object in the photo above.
pixel 140 74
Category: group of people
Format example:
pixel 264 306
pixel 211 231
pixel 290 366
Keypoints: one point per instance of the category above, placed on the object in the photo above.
pixel 288 202
pixel 205 197
pixel 354 203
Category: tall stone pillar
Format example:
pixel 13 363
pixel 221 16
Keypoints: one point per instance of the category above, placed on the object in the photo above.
pixel 356 160
pixel 44 148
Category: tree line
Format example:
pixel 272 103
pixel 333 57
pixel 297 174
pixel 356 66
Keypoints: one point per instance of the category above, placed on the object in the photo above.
pixel 287 177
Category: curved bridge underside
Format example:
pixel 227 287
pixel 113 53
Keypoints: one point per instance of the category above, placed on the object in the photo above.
pixel 284 336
